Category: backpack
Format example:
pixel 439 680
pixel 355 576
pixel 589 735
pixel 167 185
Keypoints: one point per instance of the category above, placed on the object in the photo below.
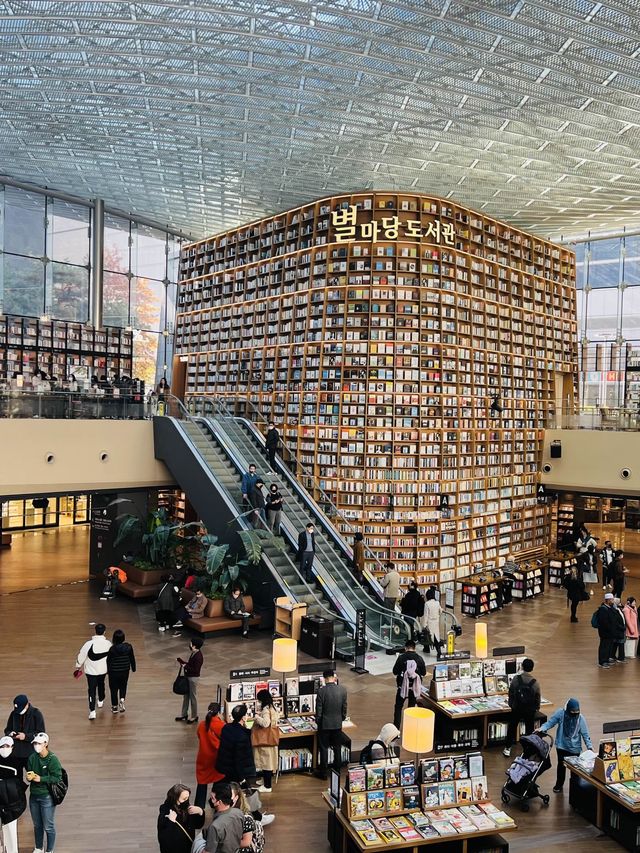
pixel 595 619
pixel 366 756
pixel 525 694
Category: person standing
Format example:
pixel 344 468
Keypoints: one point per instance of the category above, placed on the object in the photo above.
pixel 331 712
pixel 13 801
pixel 265 737
pixel 409 670
pixel 572 731
pixel 588 561
pixel 192 668
pixel 618 573
pixel 208 733
pixel 235 756
pixel 606 556
pixel 43 769
pixel 306 551
pixel 120 662
pixel 93 658
pixel 631 619
pixel 618 655
pixel 178 821
pixel 256 499
pixel 272 442
pixel 576 591
pixel 412 607
pixel 358 557
pixel 274 509
pixel 24 722
pixel 234 608
pixel 249 479
pixel 390 583
pixel 167 604
pixel 432 617
pixel 606 623
pixel 225 832
pixel 524 701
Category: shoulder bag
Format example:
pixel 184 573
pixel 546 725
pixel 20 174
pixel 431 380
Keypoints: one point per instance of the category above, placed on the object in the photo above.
pixel 265 735
pixel 181 684
pixel 58 790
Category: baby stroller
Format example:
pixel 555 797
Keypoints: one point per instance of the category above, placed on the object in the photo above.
pixel 523 773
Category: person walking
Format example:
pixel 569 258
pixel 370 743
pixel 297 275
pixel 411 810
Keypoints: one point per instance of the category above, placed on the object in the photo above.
pixel 306 551
pixel 576 591
pixel 178 821
pixel 588 563
pixel 167 604
pixel 409 670
pixel 13 801
pixel 272 442
pixel 226 830
pixel 390 583
pixel 93 658
pixel 235 608
pixel 274 509
pixel 432 616
pixel 265 737
pixel 572 732
pixel 24 722
pixel 605 621
pixel 208 732
pixel 606 556
pixel 120 662
pixel 358 557
pixel 524 701
pixel 331 712
pixel 618 655
pixel 618 573
pixel 630 611
pixel 43 769
pixel 412 607
pixel 192 668
pixel 235 755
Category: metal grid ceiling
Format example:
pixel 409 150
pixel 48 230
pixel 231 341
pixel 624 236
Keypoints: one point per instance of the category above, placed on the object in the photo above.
pixel 207 114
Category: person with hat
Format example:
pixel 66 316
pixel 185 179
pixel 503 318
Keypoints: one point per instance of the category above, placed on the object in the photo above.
pixel 43 769
pixel 23 723
pixel 572 731
pixel 13 800
pixel 606 621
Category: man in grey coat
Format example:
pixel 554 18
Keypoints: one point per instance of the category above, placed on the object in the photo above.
pixel 331 711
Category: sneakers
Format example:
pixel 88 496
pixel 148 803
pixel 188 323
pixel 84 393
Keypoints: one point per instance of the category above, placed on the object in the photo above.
pixel 177 634
pixel 267 819
pixel 122 709
pixel 557 790
pixel 507 751
pixel 100 703
pixel 604 666
pixel 161 628
pixel 180 719
pixel 114 709
pixel 38 850
pixel 264 790
pixel 92 715
pixel 178 625
pixel 245 634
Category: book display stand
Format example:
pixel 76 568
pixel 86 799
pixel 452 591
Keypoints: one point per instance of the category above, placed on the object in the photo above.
pixel 560 564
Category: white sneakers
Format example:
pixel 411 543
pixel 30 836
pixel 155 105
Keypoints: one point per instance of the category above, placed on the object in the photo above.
pixel 122 708
pixel 507 751
pixel 92 715
pixel 161 628
pixel 264 790
pixel 100 703
pixel 267 819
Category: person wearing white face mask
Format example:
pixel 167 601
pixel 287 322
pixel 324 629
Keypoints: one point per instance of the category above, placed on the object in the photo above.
pixel 23 724
pixel 12 795
pixel 43 769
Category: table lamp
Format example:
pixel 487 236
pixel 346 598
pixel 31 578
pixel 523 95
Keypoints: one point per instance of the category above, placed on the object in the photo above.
pixel 482 641
pixel 284 659
pixel 417 731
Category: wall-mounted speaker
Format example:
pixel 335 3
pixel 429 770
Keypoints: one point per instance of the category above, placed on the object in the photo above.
pixel 555 450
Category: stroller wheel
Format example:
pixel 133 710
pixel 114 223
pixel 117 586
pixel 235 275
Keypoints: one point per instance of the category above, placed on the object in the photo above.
pixel 545 799
pixel 505 798
pixel 524 807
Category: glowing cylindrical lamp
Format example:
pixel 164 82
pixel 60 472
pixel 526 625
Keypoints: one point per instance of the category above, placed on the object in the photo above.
pixel 482 641
pixel 417 730
pixel 285 655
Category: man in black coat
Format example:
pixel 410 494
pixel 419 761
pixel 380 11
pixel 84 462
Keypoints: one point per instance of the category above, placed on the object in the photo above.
pixel 331 711
pixel 13 800
pixel 306 551
pixel 399 669
pixel 607 630
pixel 272 441
pixel 235 754
pixel 23 725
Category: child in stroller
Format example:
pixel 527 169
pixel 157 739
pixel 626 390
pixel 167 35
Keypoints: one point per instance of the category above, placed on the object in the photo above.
pixel 525 770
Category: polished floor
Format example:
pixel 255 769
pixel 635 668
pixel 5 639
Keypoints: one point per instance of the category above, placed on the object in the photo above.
pixel 121 767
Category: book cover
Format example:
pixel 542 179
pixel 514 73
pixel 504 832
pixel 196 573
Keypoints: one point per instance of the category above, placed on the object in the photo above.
pixel 625 766
pixel 443 827
pixel 511 666
pixel 278 704
pixel 361 825
pixel 446 793
pixel 307 704
pixel 375 777
pixel 501 818
pixel 429 770
pixel 390 836
pixel 418 818
pixel 482 821
pixel 393 800
pixel 293 706
pixel 251 709
pixel 306 686
pixel 400 821
pixel 490 683
pixel 500 667
pixel 611 770
pixel 411 797
pixel 476 668
pixel 463 790
pixel 635 746
pixel 636 766
pixel 445 769
pixel 471 810
pixel 356 779
pixel 248 690
pixel 464 669
pixel 408 774
pixel 427 830
pixel 382 823
pixel 489 667
pixel 440 672
pixel 369 837
pixel 291 686
pixel 489 808
pixel 430 795
pixel 409 833
pixel 375 801
pixel 274 687
pixel 476 763
pixel 392 776
pixel 460 767
pixel 454 672
pixel 235 691
pixel 502 684
pixel 479 789
pixel 358 805
pixel 261 685
pixel 607 749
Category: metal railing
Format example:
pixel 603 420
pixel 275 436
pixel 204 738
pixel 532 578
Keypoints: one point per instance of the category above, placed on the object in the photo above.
pixel 74 405
pixel 596 417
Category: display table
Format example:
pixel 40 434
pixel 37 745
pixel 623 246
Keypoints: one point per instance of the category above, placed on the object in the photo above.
pixel 481 595
pixel 602 807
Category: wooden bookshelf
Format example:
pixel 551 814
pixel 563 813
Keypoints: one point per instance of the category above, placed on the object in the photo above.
pixel 376 329
pixel 288 617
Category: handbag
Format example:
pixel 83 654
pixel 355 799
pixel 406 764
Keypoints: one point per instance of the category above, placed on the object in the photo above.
pixel 181 684
pixel 58 790
pixel 590 577
pixel 265 735
pixel 78 673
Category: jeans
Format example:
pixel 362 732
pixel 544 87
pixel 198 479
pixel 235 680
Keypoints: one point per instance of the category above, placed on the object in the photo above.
pixel 306 564
pixel 330 738
pixel 512 729
pixel 604 650
pixel 618 650
pixel 43 813
pixel 191 698
pixel 561 770
pixel 95 683
pixel 118 684
pixel 397 710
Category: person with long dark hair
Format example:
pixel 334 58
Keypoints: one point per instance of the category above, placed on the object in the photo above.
pixel 208 733
pixel 120 662
pixel 178 821
pixel 265 737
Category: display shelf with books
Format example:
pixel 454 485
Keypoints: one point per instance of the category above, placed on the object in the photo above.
pixel 528 581
pixel 380 789
pixel 564 516
pixel 481 594
pixel 377 333
pixel 560 564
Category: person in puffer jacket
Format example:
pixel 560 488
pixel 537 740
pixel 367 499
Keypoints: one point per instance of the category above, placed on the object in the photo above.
pixel 120 662
pixel 93 658
pixel 13 800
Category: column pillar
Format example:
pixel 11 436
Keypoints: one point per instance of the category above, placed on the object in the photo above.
pixel 97 264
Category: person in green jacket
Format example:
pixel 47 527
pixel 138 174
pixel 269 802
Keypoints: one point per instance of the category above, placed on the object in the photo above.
pixel 43 768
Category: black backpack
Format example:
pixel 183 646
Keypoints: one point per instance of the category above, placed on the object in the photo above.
pixel 366 756
pixel 525 694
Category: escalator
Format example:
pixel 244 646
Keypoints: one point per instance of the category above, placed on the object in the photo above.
pixel 210 476
pixel 385 629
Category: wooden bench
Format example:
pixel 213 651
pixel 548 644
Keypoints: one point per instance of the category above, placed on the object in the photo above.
pixel 214 618
pixel 141 583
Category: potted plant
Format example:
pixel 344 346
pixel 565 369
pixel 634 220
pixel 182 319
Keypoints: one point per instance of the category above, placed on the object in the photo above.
pixel 157 545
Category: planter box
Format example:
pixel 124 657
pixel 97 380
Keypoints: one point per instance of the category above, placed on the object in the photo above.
pixel 144 577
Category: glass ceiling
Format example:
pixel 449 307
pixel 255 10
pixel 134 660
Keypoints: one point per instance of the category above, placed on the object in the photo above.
pixel 203 115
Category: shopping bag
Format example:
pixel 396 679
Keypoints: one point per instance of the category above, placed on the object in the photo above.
pixel 590 577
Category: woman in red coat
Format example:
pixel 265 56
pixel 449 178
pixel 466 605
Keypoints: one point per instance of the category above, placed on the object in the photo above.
pixel 208 742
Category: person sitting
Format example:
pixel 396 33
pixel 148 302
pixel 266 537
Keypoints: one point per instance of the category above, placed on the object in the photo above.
pixel 234 608
pixel 388 735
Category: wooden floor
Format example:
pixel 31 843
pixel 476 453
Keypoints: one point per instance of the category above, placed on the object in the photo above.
pixel 45 558
pixel 121 767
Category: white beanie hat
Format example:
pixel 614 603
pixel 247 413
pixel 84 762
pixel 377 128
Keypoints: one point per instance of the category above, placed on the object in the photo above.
pixel 388 733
